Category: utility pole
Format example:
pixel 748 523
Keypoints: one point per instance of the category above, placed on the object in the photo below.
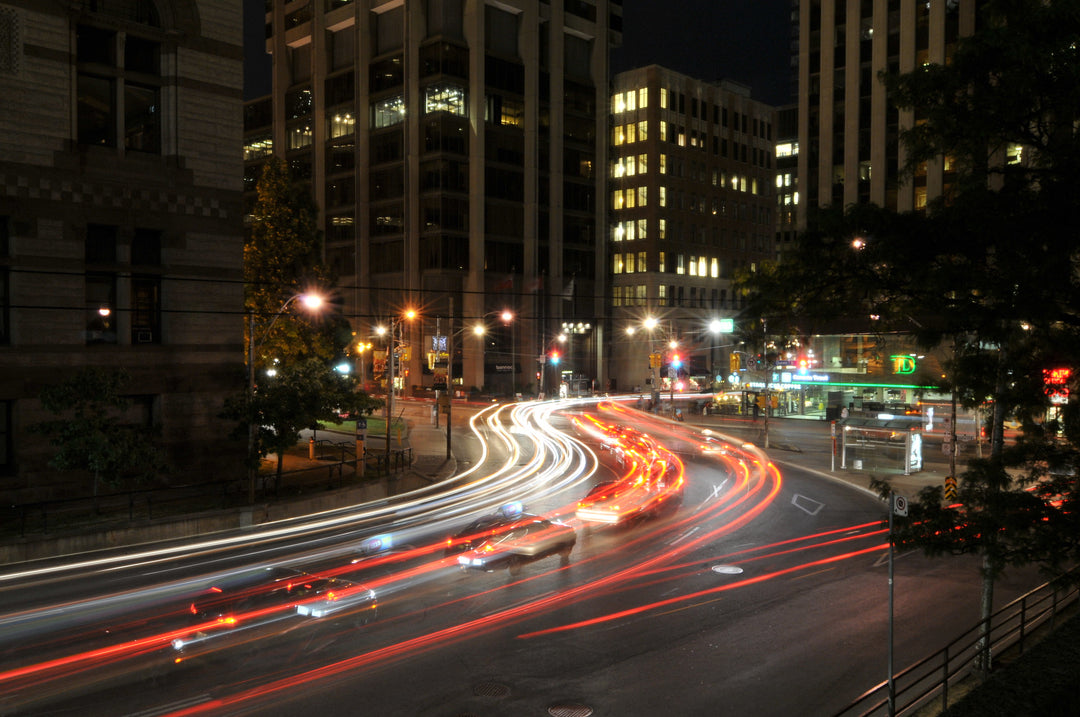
pixel 449 372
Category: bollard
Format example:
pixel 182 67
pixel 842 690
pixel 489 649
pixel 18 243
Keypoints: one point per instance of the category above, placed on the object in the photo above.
pixel 311 449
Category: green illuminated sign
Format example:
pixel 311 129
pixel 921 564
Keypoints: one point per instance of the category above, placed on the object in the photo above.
pixel 903 363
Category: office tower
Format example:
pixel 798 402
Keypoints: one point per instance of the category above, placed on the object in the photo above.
pixel 849 143
pixel 692 201
pixel 454 149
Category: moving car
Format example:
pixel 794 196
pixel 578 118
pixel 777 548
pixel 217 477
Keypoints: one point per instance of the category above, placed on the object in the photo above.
pixel 527 540
pixel 252 606
pixel 484 528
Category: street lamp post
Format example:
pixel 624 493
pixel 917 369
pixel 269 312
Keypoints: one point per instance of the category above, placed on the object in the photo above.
pixel 313 302
pixel 391 355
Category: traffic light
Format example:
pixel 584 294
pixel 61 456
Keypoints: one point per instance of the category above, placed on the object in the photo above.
pixel 676 361
pixel 555 358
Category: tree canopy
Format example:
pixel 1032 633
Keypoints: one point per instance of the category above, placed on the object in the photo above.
pixel 988 270
pixel 283 259
pixel 93 430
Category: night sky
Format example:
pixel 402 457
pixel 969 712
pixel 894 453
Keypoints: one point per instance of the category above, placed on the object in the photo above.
pixel 742 40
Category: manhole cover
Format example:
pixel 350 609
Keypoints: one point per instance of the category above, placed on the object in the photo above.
pixel 490 689
pixel 727 569
pixel 569 709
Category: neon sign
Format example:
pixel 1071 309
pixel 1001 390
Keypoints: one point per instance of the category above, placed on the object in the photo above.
pixel 903 363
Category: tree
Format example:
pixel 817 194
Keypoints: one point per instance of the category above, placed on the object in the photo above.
pixel 301 395
pixel 94 432
pixel 283 258
pixel 989 269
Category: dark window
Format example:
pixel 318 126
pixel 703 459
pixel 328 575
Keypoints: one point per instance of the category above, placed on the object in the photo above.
pixel 146 310
pixel 100 244
pixel 146 247
pixel 104 77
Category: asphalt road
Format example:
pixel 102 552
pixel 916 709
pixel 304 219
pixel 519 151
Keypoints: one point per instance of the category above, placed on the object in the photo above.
pixel 753 596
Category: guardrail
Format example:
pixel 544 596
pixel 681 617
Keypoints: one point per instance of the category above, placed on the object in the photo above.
pixel 931 678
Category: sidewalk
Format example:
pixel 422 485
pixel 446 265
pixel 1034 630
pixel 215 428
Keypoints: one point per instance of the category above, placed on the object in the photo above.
pixel 807 444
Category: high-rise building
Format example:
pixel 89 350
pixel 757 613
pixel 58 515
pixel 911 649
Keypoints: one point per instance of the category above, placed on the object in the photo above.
pixel 120 221
pixel 692 200
pixel 455 151
pixel 850 151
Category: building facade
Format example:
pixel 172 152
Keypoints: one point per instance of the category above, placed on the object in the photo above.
pixel 454 148
pixel 692 201
pixel 120 221
pixel 849 142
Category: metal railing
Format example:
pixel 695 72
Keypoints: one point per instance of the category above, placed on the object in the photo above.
pixel 141 504
pixel 932 677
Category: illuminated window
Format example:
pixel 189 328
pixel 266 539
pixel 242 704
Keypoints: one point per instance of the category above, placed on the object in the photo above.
pixel 511 113
pixel 630 263
pixel 1014 154
pixel 702 266
pixel 631 133
pixel 642 265
pixel 680 264
pixel 631 100
pixel 631 166
pixel 663 131
pixel 753 186
pixel 619 135
pixel 389 112
pixel 663 164
pixel 630 227
pixel 298 136
pixel 257 147
pixel 693 267
pixel 715 270
pixel 616 296
pixel 445 98
pixel 662 229
pixel 618 104
pixel 663 98
pixel 641 196
pixel 631 195
pixel 662 258
pixel 643 98
pixel 661 292
pixel 616 264
pixel 643 130
pixel 787 149
pixel 742 184
pixel 617 232
pixel 639 290
pixel 617 199
pixel 341 125
pixel 681 141
pixel 641 224
pixel 663 195
pixel 619 168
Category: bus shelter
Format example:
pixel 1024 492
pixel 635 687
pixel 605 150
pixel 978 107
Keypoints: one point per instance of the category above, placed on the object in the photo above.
pixel 877 444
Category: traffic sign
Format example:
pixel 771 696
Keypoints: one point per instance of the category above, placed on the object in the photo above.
pixel 361 423
pixel 950 487
pixel 900 505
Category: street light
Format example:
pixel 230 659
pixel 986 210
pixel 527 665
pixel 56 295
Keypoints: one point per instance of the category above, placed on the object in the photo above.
pixel 312 302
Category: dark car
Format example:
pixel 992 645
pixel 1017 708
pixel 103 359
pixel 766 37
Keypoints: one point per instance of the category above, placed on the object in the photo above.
pixel 484 528
pixel 244 609
pixel 526 541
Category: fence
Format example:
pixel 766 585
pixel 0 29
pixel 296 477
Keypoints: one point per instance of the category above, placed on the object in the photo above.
pixel 149 503
pixel 932 677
